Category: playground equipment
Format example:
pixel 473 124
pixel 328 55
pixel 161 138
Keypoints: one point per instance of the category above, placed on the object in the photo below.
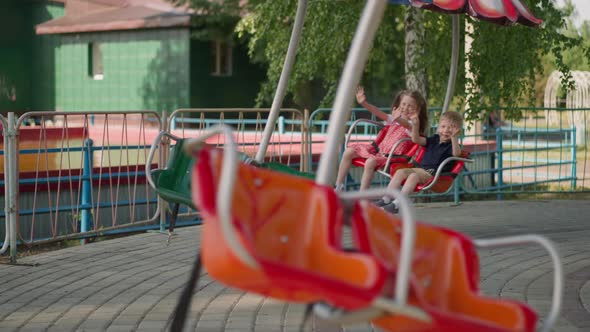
pixel 280 236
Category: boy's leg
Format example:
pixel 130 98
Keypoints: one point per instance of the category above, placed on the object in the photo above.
pixel 411 183
pixel 345 164
pixel 398 177
pixel 368 173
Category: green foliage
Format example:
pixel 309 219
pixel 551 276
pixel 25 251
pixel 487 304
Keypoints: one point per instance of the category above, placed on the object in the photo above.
pixel 506 61
pixel 213 20
pixel 325 41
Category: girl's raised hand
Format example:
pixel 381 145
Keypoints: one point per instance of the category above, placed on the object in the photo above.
pixel 455 132
pixel 360 95
pixel 415 120
pixel 396 113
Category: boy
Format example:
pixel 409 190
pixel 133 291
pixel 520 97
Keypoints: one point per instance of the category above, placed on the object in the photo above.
pixel 444 144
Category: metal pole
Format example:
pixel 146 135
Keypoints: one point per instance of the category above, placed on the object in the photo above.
pixel 355 62
pixel 7 189
pixel 164 145
pixel 86 222
pixel 283 80
pixel 499 150
pixel 12 183
pixel 574 158
pixel 454 64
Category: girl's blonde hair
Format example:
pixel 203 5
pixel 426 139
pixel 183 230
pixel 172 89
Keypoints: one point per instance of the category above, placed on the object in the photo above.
pixel 422 109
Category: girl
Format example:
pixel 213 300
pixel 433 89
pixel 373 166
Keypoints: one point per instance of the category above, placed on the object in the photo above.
pixel 398 125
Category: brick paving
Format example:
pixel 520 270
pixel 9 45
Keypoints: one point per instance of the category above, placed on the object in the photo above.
pixel 132 283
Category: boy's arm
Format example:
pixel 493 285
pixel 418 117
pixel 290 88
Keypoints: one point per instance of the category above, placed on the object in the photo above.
pixel 362 100
pixel 416 138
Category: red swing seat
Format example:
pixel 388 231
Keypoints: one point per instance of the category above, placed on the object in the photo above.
pixel 445 278
pixel 395 160
pixel 445 180
pixel 291 227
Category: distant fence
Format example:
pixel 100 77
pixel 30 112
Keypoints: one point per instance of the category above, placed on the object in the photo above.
pixel 82 174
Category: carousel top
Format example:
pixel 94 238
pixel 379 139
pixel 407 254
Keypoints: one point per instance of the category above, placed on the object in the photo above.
pixel 502 12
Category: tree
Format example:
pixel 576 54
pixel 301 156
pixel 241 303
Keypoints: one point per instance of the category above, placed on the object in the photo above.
pixel 505 60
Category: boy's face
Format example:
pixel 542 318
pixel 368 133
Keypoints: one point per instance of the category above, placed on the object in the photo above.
pixel 446 129
pixel 408 107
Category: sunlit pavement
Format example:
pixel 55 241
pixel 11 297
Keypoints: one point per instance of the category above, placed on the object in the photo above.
pixel 132 283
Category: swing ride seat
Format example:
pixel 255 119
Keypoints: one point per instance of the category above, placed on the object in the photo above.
pixel 445 278
pixel 394 160
pixel 173 182
pixel 292 228
pixel 442 181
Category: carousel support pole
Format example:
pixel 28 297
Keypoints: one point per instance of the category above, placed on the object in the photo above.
pixel 283 80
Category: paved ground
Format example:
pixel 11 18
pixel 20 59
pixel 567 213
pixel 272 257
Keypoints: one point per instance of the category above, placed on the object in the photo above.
pixel 132 283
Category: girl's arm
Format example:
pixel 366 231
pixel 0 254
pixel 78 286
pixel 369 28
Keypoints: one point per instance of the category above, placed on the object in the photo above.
pixel 362 100
pixel 405 123
pixel 416 138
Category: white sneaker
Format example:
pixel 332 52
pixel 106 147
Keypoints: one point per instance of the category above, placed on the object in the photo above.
pixel 339 188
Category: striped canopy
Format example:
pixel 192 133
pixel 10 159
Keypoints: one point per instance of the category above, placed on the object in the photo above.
pixel 496 11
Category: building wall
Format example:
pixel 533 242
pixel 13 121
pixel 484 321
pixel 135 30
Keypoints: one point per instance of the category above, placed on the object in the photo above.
pixel 26 60
pixel 44 50
pixel 236 91
pixel 143 70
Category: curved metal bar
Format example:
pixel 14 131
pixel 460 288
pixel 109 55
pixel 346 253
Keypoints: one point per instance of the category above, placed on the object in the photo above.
pixel 283 80
pixel 407 238
pixel 150 158
pixel 557 266
pixel 226 188
pixel 344 317
pixel 7 189
pixel 354 125
pixel 357 56
pixel 440 168
pixel 400 141
pixel 454 64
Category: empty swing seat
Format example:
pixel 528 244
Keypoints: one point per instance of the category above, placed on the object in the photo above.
pixel 445 278
pixel 173 182
pixel 292 228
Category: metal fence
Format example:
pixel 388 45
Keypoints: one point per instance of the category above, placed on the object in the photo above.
pixel 82 174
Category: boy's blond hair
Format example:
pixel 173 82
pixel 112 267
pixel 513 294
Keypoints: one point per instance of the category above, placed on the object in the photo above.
pixel 453 117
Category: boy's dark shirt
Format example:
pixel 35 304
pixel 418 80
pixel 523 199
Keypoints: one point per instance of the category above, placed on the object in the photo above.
pixel 436 153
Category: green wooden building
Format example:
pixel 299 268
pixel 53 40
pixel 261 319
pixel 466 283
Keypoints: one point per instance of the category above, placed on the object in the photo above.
pixel 116 55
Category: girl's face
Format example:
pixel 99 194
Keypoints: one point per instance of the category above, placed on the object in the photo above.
pixel 408 107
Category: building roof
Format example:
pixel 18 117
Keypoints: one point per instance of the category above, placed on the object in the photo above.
pixel 109 15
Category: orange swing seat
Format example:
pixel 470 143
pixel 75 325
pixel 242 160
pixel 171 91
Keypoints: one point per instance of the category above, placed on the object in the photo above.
pixel 445 278
pixel 292 228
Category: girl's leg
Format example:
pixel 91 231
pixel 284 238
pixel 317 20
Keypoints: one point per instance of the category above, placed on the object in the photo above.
pixel 345 164
pixel 368 173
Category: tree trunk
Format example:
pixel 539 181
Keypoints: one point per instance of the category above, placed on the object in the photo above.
pixel 415 71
